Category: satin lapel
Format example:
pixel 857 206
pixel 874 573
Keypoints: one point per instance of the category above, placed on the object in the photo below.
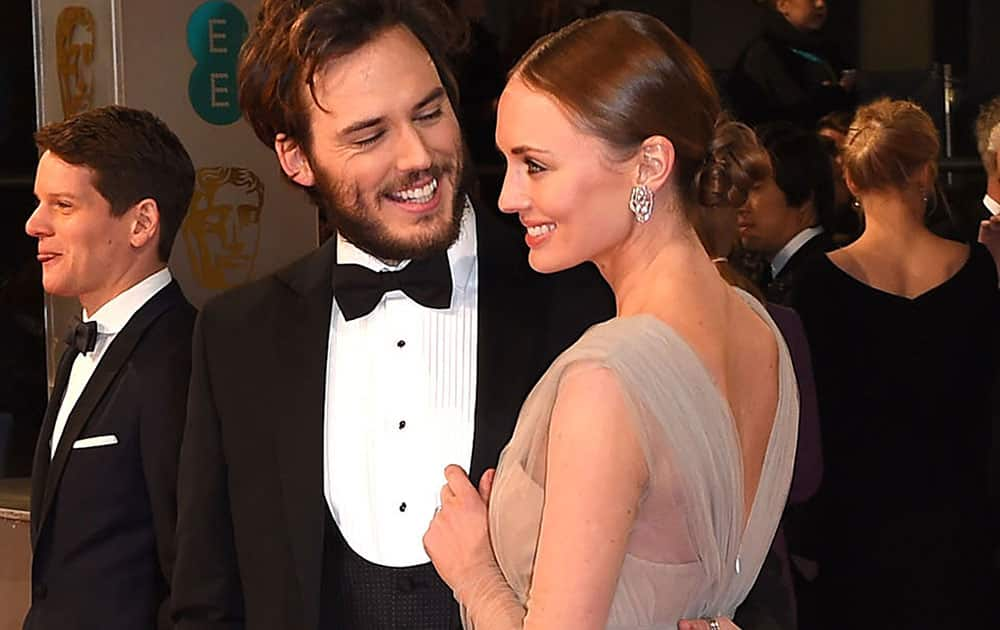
pixel 301 354
pixel 107 370
pixel 525 320
pixel 510 338
pixel 43 449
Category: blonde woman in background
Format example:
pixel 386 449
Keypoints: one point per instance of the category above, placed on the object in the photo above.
pixel 902 326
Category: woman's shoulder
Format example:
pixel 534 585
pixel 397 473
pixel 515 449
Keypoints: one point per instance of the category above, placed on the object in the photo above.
pixel 638 349
pixel 967 264
pixel 608 341
pixel 981 267
pixel 956 251
pixel 980 257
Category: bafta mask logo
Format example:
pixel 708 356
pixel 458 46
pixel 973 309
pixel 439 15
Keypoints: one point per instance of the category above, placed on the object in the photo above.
pixel 222 228
pixel 75 28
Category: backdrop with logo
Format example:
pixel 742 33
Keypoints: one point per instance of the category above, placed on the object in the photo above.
pixel 177 59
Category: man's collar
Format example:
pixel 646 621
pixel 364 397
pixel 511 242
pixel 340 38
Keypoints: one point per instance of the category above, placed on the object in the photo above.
pixel 461 254
pixel 793 245
pixel 991 204
pixel 113 316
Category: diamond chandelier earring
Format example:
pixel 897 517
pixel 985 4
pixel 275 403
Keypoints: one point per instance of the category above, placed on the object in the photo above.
pixel 640 202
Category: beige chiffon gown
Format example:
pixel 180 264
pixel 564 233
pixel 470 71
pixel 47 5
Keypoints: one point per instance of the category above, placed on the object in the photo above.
pixel 688 553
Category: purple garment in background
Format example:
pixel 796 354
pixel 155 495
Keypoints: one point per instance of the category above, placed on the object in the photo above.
pixel 808 471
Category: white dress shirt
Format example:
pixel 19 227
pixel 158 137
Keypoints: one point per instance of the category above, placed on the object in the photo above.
pixel 793 245
pixel 992 205
pixel 400 404
pixel 110 318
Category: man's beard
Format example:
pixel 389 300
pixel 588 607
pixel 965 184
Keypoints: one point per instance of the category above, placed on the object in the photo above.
pixel 358 222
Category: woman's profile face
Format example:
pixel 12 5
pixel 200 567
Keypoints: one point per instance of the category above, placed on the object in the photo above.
pixel 805 15
pixel 570 196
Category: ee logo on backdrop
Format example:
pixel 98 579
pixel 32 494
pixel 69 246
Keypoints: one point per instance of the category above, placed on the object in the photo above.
pixel 215 32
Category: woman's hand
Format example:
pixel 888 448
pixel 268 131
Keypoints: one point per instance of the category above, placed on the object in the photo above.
pixel 458 539
pixel 724 623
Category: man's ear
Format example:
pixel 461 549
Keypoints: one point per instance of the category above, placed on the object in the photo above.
pixel 145 223
pixel 655 162
pixel 294 161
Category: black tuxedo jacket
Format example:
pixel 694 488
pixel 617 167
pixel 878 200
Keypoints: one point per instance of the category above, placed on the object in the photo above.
pixel 780 289
pixel 103 518
pixel 251 507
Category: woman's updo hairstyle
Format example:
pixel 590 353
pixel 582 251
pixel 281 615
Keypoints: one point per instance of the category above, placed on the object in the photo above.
pixel 888 142
pixel 624 77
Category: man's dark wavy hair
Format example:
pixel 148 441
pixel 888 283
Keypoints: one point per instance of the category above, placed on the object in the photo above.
pixel 293 39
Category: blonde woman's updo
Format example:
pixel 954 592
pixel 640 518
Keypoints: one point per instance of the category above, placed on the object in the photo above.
pixel 888 143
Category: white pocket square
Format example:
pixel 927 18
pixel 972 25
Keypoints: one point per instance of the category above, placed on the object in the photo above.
pixel 97 440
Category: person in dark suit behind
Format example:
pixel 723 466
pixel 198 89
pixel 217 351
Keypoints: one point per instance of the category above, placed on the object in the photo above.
pixel 784 219
pixel 790 71
pixel 846 220
pixel 113 185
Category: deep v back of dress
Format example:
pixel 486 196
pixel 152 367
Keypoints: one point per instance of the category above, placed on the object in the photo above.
pixel 692 550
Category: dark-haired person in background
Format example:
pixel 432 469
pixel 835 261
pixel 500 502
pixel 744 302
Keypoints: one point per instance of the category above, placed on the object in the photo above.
pixel 784 217
pixel 845 220
pixel 113 185
pixel 790 71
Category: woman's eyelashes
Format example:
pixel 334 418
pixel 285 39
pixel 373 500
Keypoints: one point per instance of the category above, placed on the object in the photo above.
pixel 534 167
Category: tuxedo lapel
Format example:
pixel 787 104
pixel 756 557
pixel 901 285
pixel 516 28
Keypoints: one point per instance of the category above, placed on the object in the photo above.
pixel 781 287
pixel 301 342
pixel 510 338
pixel 815 246
pixel 526 319
pixel 107 370
pixel 43 449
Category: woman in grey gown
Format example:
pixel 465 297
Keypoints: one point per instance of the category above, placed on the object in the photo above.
pixel 649 466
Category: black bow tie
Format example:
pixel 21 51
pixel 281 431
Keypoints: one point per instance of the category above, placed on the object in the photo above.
pixel 359 289
pixel 82 336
